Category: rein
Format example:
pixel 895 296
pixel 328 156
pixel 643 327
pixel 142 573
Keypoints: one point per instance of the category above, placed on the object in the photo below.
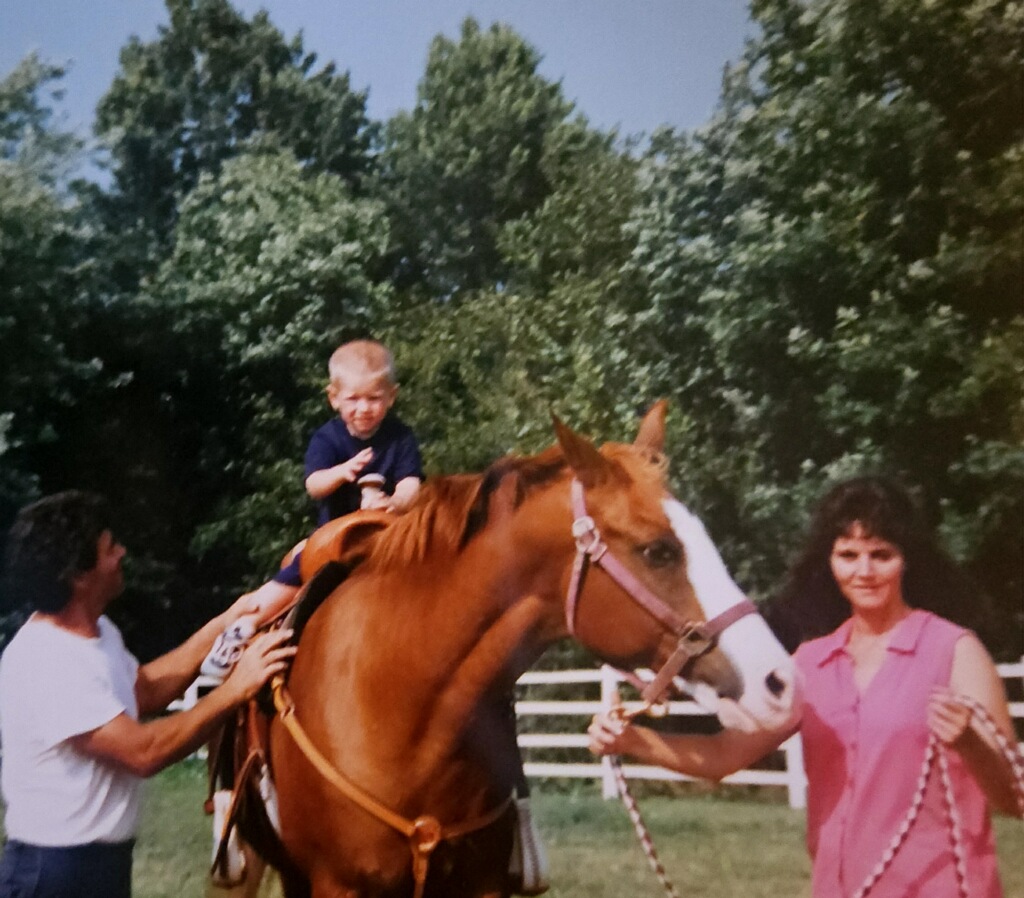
pixel 693 638
pixel 424 833
pixel 936 751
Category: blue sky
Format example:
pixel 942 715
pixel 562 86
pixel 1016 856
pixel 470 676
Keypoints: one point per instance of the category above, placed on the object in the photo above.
pixel 635 64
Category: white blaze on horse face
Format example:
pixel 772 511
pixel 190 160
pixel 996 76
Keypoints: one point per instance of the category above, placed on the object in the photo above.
pixel 770 694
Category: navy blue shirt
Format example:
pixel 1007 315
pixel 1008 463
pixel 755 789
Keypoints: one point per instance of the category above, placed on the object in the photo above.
pixel 396 455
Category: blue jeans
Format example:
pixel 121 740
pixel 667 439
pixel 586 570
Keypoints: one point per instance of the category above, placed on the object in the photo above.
pixel 98 870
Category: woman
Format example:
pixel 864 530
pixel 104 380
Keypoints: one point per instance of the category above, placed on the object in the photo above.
pixel 885 678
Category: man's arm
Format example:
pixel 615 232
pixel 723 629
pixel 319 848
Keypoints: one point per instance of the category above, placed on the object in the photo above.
pixel 146 748
pixel 165 678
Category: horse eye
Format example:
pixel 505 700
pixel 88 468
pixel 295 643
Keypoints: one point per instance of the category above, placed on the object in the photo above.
pixel 662 553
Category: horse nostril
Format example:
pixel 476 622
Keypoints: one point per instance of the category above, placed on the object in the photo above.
pixel 776 685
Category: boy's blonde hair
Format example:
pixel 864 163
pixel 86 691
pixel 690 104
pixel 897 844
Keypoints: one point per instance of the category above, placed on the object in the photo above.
pixel 362 358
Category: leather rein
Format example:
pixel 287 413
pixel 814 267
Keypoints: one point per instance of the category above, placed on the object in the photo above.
pixel 693 638
pixel 424 833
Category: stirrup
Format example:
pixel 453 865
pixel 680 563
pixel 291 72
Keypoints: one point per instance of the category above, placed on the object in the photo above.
pixel 528 866
pixel 228 868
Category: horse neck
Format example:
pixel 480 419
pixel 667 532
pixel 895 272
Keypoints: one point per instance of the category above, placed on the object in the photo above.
pixel 505 609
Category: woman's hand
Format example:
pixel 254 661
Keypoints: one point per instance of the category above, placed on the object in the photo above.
pixel 607 732
pixel 948 717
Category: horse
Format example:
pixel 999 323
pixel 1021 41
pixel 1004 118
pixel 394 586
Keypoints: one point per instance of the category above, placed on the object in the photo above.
pixel 394 750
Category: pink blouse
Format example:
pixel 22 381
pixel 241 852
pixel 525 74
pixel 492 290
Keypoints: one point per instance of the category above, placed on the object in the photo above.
pixel 863 755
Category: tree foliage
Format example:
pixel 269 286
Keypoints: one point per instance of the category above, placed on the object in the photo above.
pixel 272 267
pixel 826 279
pixel 836 260
pixel 42 366
pixel 468 158
pixel 209 84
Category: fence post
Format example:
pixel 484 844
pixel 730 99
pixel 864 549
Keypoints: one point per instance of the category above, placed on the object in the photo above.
pixel 796 779
pixel 609 684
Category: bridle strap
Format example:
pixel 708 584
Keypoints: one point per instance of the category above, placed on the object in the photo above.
pixel 694 638
pixel 693 642
pixel 424 833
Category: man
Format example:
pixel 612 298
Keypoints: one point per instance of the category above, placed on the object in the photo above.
pixel 73 700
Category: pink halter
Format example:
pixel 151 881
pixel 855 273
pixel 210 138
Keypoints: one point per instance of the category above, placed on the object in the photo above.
pixel 695 638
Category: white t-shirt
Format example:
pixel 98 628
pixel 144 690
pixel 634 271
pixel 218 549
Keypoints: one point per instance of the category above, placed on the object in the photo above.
pixel 55 685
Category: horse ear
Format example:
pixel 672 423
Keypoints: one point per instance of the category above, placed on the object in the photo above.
pixel 652 429
pixel 589 465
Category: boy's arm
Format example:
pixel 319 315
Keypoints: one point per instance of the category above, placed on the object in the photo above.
pixel 320 484
pixel 406 491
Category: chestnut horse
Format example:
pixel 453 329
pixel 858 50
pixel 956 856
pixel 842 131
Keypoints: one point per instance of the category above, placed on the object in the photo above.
pixel 398 700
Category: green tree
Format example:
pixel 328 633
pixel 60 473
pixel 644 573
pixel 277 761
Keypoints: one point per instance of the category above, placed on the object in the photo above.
pixel 485 368
pixel 28 133
pixel 835 260
pixel 272 267
pixel 209 84
pixel 468 158
pixel 42 367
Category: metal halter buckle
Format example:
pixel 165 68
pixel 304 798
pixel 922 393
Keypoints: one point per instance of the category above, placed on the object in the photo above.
pixel 695 640
pixel 584 531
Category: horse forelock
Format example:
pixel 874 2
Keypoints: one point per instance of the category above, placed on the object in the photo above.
pixel 647 469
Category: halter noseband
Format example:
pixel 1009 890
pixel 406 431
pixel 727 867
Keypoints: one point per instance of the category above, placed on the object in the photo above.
pixel 694 638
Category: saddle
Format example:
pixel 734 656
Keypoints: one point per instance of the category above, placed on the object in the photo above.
pixel 241 791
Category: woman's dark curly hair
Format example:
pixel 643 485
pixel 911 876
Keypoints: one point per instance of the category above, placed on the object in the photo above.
pixel 811 603
pixel 50 542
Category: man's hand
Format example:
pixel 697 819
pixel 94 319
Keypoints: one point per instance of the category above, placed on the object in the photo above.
pixel 265 656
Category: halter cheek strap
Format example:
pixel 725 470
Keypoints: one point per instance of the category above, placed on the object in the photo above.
pixel 694 638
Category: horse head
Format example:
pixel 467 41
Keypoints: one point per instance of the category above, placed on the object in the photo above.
pixel 662 596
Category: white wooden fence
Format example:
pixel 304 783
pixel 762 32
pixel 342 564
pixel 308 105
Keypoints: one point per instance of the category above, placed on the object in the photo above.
pixel 606 680
pixel 603 682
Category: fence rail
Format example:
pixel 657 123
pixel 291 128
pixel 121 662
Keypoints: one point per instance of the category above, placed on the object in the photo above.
pixel 607 680
pixel 791 777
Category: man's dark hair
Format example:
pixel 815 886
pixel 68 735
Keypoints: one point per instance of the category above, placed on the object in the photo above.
pixel 50 542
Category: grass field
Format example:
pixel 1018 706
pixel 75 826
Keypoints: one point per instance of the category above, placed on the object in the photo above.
pixel 712 846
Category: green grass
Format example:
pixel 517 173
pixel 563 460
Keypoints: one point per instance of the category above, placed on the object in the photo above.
pixel 713 846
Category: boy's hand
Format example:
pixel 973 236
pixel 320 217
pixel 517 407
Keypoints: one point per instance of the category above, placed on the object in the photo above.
pixel 354 466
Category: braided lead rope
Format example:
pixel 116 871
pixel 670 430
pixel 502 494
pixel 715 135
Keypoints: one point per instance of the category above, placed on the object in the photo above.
pixel 642 833
pixel 904 828
pixel 956 837
pixel 1013 756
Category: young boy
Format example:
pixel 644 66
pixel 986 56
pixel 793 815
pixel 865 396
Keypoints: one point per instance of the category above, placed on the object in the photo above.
pixel 364 443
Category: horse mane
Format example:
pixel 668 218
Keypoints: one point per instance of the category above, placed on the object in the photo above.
pixel 452 509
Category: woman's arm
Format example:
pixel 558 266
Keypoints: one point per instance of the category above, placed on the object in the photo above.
pixel 974 675
pixel 709 757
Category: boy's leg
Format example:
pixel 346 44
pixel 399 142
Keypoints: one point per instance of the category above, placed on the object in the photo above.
pixel 270 599
pixel 528 867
